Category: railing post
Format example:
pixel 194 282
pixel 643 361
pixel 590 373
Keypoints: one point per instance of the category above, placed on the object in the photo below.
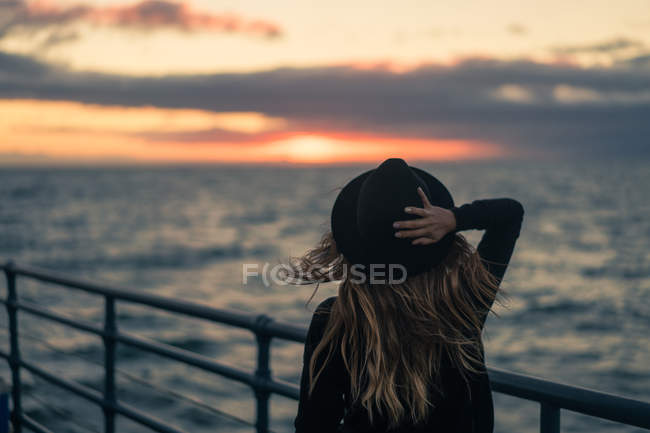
pixel 14 351
pixel 549 419
pixel 263 373
pixel 110 330
pixel 5 389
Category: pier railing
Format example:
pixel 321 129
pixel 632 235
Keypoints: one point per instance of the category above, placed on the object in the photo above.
pixel 552 396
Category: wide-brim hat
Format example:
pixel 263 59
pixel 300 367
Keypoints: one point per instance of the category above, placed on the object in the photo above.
pixel 366 208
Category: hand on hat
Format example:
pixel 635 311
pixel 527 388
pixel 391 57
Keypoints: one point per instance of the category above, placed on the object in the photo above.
pixel 435 223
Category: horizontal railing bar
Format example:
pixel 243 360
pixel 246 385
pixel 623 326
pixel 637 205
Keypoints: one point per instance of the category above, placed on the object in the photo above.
pixel 95 397
pixel 277 386
pixel 134 378
pixel 239 319
pixel 145 419
pixel 33 425
pixel 582 400
pixel 186 357
pixel 286 331
pixel 36 310
pixel 235 318
pixel 281 387
pixel 75 388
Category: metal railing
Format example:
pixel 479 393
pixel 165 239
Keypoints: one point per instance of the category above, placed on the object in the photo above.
pixel 552 396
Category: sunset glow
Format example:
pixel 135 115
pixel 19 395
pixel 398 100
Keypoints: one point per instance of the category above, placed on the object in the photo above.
pixel 52 130
pixel 327 148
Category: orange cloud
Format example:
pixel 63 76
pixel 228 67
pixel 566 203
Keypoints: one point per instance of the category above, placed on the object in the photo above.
pixel 144 15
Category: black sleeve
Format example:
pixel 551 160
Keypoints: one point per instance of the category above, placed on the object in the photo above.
pixel 323 410
pixel 501 218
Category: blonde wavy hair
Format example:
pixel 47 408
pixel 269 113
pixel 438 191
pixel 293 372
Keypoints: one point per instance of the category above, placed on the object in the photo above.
pixel 392 337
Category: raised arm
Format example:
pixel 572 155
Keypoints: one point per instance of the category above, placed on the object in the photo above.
pixel 323 410
pixel 501 218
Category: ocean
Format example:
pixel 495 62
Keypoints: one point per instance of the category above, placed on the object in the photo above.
pixel 578 285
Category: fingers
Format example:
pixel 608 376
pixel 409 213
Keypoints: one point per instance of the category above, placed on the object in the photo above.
pixel 411 233
pixel 416 211
pixel 423 241
pixel 419 227
pixel 423 196
pixel 412 224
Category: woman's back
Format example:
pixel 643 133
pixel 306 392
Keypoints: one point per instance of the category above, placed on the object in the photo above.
pixel 408 356
pixel 324 410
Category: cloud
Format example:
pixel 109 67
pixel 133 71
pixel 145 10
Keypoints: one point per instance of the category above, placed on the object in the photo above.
pixel 58 37
pixel 212 135
pixel 517 29
pixel 146 15
pixel 522 105
pixel 514 93
pixel 608 46
pixel 641 61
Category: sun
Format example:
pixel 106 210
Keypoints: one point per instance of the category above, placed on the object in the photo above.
pixel 307 149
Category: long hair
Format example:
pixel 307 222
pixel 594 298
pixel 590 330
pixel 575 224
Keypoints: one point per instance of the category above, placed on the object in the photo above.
pixel 393 337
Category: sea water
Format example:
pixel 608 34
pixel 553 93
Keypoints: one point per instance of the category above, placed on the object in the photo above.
pixel 578 307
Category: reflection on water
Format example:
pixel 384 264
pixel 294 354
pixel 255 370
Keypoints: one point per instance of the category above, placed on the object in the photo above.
pixel 579 282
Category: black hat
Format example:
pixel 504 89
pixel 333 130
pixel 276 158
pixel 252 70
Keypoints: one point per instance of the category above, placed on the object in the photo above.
pixel 366 208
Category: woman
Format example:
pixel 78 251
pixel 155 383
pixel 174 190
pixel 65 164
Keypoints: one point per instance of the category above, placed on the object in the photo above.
pixel 402 351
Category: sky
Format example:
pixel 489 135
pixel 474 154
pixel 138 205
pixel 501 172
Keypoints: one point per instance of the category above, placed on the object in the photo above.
pixel 158 81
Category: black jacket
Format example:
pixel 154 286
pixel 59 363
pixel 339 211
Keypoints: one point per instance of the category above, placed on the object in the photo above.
pixel 460 410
